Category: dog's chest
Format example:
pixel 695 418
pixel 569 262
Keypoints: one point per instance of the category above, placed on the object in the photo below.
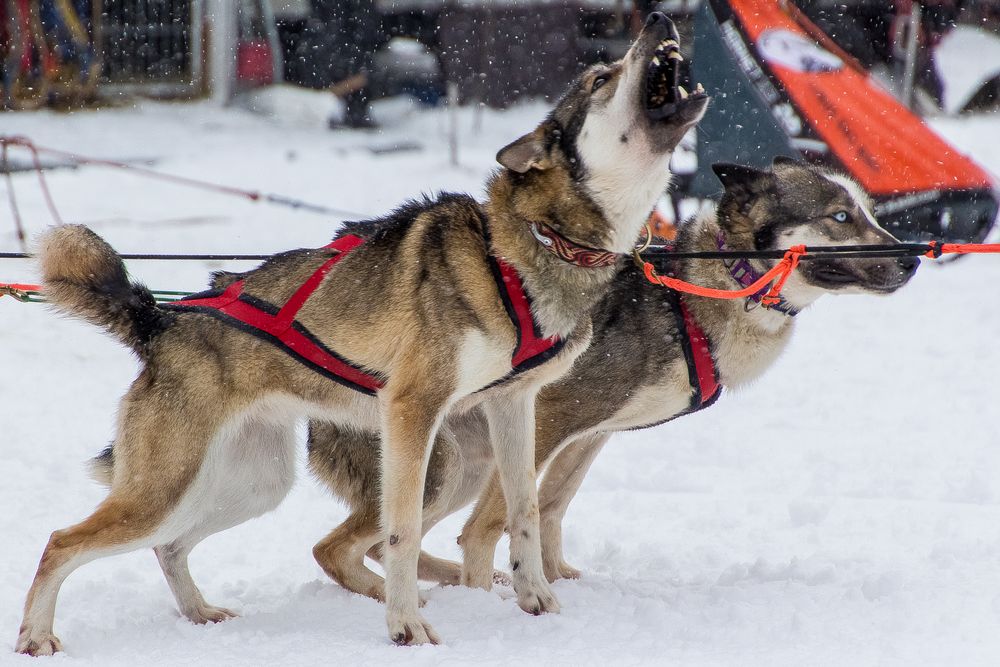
pixel 665 398
pixel 743 353
pixel 481 361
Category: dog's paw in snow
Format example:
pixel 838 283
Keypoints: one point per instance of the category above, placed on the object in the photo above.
pixel 411 630
pixel 37 643
pixel 534 595
pixel 208 614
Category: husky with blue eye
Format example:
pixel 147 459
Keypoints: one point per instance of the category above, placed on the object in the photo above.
pixel 655 356
pixel 445 306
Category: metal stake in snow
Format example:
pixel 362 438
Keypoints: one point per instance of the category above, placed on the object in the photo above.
pixel 912 37
pixel 6 168
pixel 453 122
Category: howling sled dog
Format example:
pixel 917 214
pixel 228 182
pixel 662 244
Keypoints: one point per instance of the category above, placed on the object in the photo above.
pixel 655 355
pixel 472 305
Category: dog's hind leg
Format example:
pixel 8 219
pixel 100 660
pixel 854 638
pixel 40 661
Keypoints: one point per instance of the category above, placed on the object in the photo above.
pixel 439 570
pixel 248 471
pixel 118 525
pixel 173 561
pixel 125 521
pixel 151 482
pixel 562 480
pixel 341 554
pixel 480 535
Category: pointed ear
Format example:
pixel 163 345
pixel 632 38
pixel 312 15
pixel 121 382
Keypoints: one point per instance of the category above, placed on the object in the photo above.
pixel 527 153
pixel 736 174
pixel 784 159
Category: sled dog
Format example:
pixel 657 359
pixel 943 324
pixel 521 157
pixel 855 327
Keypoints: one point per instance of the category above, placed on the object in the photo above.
pixel 655 355
pixel 442 306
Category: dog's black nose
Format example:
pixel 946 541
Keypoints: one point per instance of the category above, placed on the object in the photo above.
pixel 656 17
pixel 661 20
pixel 909 264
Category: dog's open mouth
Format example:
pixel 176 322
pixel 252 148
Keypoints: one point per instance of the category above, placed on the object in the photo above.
pixel 663 93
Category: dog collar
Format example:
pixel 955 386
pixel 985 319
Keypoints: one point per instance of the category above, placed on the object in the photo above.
pixel 743 272
pixel 570 251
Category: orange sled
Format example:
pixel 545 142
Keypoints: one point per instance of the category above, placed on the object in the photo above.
pixel 779 86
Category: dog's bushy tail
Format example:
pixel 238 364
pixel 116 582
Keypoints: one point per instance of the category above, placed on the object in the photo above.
pixel 82 275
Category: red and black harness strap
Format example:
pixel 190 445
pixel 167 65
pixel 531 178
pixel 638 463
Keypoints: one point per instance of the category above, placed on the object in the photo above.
pixel 702 372
pixel 278 326
pixel 531 349
pixel 703 375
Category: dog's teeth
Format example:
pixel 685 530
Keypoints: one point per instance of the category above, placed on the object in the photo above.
pixel 675 55
pixel 698 88
pixel 684 93
pixel 656 60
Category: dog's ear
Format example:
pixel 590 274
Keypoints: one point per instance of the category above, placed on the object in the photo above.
pixel 527 153
pixel 737 174
pixel 784 159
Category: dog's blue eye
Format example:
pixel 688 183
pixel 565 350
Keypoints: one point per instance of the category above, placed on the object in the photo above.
pixel 840 216
pixel 598 82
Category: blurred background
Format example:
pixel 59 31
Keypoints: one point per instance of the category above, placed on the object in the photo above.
pixel 72 52
pixel 935 58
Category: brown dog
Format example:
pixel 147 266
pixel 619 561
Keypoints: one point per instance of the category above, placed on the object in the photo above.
pixel 440 307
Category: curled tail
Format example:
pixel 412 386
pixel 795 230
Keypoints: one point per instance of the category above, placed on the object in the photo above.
pixel 82 275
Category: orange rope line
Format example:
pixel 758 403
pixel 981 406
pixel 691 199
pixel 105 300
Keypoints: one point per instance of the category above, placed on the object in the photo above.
pixel 783 269
pixel 780 271
pixel 938 249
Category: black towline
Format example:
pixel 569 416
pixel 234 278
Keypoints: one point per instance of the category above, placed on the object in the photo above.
pixel 812 252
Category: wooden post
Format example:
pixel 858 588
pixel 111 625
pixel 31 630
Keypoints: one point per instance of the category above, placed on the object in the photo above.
pixel 912 39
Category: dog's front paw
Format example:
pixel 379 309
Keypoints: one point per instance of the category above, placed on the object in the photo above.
pixel 560 570
pixel 208 614
pixel 502 578
pixel 410 630
pixel 534 595
pixel 37 643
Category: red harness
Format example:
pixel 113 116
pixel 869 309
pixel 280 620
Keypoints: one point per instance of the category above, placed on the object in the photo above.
pixel 279 326
pixel 701 364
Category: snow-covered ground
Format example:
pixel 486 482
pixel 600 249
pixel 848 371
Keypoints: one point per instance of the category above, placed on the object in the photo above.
pixel 843 511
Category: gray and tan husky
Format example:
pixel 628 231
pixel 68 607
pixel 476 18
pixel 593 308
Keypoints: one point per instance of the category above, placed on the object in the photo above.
pixel 399 322
pixel 624 381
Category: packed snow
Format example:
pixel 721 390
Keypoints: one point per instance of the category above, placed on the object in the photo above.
pixel 844 510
